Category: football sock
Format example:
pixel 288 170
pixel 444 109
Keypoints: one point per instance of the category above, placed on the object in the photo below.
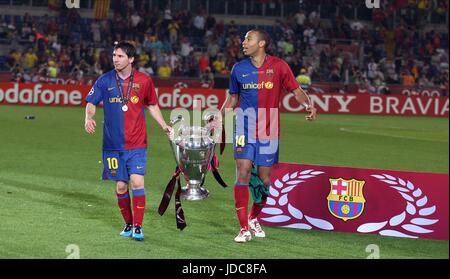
pixel 256 208
pixel 138 206
pixel 124 202
pixel 241 204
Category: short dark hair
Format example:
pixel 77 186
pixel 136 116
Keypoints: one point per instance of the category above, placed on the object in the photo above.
pixel 263 36
pixel 127 47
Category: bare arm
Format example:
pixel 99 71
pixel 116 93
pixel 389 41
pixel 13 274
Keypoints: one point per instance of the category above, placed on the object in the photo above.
pixel 303 99
pixel 155 112
pixel 89 122
pixel 229 104
pixel 227 107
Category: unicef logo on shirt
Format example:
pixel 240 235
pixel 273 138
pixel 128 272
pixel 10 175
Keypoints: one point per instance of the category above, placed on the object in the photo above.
pixel 135 99
pixel 259 85
pixel 269 85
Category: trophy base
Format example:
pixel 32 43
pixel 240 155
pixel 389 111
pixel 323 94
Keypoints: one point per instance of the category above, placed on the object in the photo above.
pixel 194 193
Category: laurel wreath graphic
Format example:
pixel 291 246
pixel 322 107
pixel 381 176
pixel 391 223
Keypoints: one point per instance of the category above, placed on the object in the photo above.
pixel 415 204
pixel 280 197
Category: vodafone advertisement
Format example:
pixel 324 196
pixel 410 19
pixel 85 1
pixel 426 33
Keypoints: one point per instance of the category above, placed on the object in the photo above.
pixel 73 95
pixel 41 94
pixel 356 200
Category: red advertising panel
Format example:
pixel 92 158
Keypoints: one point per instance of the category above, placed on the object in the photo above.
pixel 356 200
pixel 316 88
pixel 64 79
pixel 41 94
pixel 185 98
pixel 371 104
pixel 169 97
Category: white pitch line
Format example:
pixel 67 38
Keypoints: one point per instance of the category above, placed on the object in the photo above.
pixel 387 135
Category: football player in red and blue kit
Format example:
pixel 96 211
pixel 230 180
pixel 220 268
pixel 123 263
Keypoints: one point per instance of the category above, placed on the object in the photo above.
pixel 125 94
pixel 257 83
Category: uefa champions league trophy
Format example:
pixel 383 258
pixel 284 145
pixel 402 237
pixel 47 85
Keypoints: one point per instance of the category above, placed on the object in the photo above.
pixel 193 149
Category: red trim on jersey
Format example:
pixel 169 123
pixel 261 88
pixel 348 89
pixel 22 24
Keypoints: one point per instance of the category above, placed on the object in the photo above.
pixel 276 77
pixel 142 95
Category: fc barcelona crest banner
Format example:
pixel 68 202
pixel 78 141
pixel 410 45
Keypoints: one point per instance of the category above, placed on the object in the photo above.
pixel 384 202
pixel 346 200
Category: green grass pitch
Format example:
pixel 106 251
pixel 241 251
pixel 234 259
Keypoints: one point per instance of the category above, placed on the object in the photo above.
pixel 51 194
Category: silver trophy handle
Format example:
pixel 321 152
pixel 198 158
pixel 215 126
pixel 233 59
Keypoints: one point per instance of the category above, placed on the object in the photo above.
pixel 176 120
pixel 213 133
pixel 209 115
pixel 172 123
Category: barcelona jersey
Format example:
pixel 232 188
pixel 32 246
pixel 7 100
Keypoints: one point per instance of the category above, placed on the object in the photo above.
pixel 123 130
pixel 259 92
pixel 257 118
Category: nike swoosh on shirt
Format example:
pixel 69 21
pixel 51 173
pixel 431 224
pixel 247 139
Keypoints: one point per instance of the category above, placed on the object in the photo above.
pixel 110 88
pixel 245 75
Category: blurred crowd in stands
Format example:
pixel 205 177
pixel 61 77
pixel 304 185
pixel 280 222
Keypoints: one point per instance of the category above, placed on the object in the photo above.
pixel 397 45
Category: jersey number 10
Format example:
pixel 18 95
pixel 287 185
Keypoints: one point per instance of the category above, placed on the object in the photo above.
pixel 113 164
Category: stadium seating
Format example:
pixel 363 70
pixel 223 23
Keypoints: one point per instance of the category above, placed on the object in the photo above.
pixel 82 32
